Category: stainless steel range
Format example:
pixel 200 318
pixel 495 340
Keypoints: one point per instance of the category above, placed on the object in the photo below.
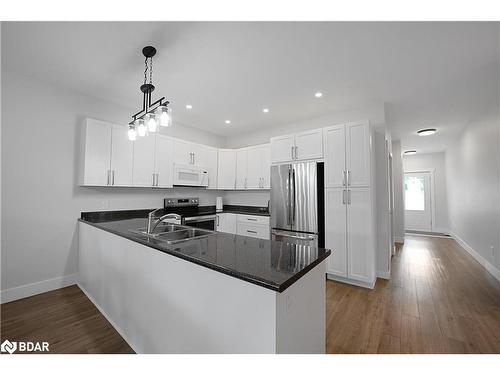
pixel 190 214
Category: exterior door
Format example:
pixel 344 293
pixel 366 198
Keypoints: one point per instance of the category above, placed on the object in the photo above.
pixel 417 189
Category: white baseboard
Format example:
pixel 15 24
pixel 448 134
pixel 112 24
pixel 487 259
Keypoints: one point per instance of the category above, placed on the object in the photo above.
pixel 442 230
pixel 29 290
pixel 384 274
pixel 483 262
pixel 115 326
pixel 351 281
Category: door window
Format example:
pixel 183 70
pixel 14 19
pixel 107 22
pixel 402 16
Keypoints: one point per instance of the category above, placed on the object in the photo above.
pixel 414 193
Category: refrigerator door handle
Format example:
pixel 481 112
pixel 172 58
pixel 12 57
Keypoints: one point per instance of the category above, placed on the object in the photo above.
pixel 288 219
pixel 293 197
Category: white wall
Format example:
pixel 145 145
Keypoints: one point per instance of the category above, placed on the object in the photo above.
pixel 473 174
pixel 374 112
pixel 41 199
pixel 398 216
pixel 433 161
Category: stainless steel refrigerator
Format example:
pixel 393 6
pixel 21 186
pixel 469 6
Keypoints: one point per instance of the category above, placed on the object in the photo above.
pixel 297 202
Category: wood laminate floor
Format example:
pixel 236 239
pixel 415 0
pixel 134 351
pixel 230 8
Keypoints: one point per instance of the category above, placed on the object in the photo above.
pixel 439 300
pixel 65 318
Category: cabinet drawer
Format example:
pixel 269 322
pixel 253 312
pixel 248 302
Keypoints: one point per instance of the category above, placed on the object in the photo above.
pixel 252 230
pixel 253 219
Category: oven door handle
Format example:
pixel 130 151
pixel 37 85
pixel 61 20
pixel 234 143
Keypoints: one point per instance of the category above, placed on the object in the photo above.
pixel 199 218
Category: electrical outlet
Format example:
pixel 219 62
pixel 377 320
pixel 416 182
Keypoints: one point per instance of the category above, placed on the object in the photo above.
pixel 492 248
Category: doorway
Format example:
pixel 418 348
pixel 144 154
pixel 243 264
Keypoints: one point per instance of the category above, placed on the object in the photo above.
pixel 418 201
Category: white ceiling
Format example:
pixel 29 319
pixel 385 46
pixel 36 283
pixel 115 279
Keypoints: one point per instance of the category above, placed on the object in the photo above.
pixel 428 74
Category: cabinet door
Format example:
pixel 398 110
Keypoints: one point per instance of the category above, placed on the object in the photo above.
pixel 359 244
pixel 182 152
pixel 358 153
pixel 206 156
pixel 282 148
pixel 336 231
pixel 97 155
pixel 122 154
pixel 265 166
pixel 220 224
pixel 164 166
pixel 144 161
pixel 334 141
pixel 309 145
pixel 241 168
pixel 226 176
pixel 254 167
pixel 226 223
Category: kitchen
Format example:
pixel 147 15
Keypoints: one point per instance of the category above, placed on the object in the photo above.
pixel 216 219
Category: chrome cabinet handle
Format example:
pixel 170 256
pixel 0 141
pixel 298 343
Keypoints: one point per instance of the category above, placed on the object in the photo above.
pixel 153 183
pixel 245 182
pixel 194 156
pixel 251 231
pixel 250 219
pixel 296 152
pixel 107 178
pixel 348 197
pixel 343 178
pixel 112 177
pixel 235 183
pixel 348 172
pixel 218 220
pixel 291 151
pixel 343 196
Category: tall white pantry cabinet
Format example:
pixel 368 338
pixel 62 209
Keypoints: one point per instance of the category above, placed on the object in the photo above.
pixel 349 201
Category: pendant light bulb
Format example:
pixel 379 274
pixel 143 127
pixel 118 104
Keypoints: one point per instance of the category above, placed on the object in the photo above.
pixel 151 122
pixel 132 134
pixel 141 127
pixel 165 115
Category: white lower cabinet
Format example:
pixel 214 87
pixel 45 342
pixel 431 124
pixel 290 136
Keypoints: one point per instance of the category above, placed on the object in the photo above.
pixel 349 234
pixel 244 225
pixel 226 223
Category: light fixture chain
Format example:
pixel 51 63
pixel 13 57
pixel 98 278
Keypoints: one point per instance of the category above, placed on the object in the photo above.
pixel 145 70
pixel 151 70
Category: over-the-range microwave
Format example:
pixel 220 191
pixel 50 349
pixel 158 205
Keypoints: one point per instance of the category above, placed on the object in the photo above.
pixel 190 175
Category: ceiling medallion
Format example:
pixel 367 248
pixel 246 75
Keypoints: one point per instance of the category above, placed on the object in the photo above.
pixel 152 115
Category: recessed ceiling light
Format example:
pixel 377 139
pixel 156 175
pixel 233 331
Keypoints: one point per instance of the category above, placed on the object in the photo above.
pixel 227 121
pixel 265 110
pixel 424 132
pixel 189 106
pixel 410 152
pixel 318 94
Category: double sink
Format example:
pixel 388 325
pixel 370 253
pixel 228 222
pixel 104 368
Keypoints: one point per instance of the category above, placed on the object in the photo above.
pixel 174 233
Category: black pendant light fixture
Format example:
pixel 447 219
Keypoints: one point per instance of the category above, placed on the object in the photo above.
pixel 152 115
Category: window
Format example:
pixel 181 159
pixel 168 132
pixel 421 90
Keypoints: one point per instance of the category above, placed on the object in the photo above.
pixel 414 193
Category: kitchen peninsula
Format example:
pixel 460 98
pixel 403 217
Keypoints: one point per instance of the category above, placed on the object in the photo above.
pixel 219 293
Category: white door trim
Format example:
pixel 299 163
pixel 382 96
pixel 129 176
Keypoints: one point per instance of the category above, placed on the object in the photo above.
pixel 432 173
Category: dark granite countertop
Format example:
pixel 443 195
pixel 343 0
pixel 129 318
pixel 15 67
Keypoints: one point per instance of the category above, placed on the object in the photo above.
pixel 271 264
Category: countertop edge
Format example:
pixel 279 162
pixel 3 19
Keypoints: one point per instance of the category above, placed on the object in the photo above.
pixel 251 279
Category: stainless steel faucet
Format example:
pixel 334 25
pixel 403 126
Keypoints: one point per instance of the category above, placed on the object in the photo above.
pixel 152 223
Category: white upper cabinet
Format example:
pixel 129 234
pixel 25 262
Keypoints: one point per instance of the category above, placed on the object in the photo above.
pixel 122 151
pixel 282 148
pixel 335 169
pixel 347 155
pixel 358 154
pixel 254 167
pixel 95 153
pixel 227 170
pixel 241 168
pixel 206 156
pixel 265 152
pixel 301 146
pixel 144 161
pixel 164 156
pixel 309 145
pixel 183 153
